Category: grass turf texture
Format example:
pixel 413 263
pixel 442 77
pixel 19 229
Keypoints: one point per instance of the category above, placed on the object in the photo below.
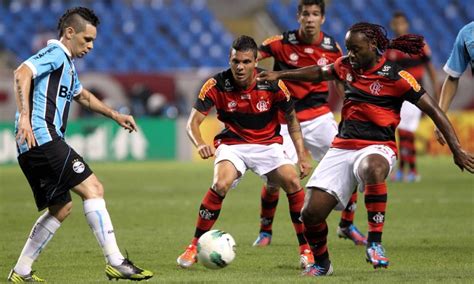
pixel 428 234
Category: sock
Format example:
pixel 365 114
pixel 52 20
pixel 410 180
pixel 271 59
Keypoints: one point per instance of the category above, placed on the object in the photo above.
pixel 208 213
pixel 347 216
pixel 269 202
pixel 317 240
pixel 296 201
pixel 99 220
pixel 407 149
pixel 375 202
pixel 40 235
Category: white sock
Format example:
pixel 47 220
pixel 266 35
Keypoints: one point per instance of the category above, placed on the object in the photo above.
pixel 100 223
pixel 42 232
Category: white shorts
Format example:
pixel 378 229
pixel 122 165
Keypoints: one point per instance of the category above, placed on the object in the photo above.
pixel 337 173
pixel 318 135
pixel 410 117
pixel 261 159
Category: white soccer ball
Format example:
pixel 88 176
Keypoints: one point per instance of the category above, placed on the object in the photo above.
pixel 216 249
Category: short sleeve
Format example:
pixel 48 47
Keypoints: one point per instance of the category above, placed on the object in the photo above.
pixel 205 100
pixel 269 45
pixel 339 72
pixel 459 57
pixel 283 98
pixel 77 86
pixel 46 60
pixel 409 88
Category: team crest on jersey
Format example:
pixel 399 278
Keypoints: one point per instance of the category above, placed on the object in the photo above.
pixel 284 89
pixel 272 39
pixel 323 61
pixel 263 105
pixel 410 80
pixel 308 50
pixel 206 88
pixel 375 88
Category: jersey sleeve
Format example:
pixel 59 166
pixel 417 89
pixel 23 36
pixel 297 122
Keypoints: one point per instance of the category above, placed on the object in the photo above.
pixel 46 60
pixel 409 88
pixel 77 87
pixel 339 72
pixel 267 49
pixel 459 57
pixel 283 100
pixel 205 100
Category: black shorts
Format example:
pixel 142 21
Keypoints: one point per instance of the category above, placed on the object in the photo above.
pixel 52 169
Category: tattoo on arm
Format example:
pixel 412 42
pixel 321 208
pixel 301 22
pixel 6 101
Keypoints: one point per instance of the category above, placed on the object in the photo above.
pixel 20 96
pixel 293 125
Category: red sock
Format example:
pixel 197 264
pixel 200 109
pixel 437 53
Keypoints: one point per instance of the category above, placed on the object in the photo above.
pixel 347 216
pixel 296 202
pixel 407 149
pixel 317 240
pixel 208 212
pixel 269 202
pixel 376 203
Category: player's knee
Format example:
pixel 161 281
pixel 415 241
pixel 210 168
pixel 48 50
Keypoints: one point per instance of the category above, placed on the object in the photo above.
pixel 292 184
pixel 272 188
pixel 221 187
pixel 96 190
pixel 310 216
pixel 374 171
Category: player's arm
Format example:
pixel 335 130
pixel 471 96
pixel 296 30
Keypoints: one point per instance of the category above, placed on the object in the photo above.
pixel 194 133
pixel 22 87
pixel 448 91
pixel 463 159
pixel 294 129
pixel 312 73
pixel 88 100
pixel 433 78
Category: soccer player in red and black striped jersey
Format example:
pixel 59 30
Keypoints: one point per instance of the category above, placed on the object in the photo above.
pixel 306 46
pixel 415 64
pixel 364 150
pixel 249 141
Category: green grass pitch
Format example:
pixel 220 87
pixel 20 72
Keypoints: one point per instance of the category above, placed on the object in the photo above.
pixel 429 232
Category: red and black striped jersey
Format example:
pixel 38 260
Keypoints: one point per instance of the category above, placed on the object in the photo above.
pixel 290 53
pixel 373 99
pixel 414 64
pixel 249 116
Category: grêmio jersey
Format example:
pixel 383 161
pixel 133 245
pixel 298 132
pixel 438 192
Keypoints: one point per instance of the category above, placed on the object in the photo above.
pixel 290 53
pixel 250 116
pixel 55 83
pixel 373 99
pixel 413 64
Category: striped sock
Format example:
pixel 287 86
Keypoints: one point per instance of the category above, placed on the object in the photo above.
pixel 376 203
pixel 208 213
pixel 317 240
pixel 269 202
pixel 347 216
pixel 296 201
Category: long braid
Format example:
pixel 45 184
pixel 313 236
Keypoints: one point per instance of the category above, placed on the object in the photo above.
pixel 409 43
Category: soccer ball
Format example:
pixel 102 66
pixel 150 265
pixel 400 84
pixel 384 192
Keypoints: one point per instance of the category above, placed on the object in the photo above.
pixel 216 249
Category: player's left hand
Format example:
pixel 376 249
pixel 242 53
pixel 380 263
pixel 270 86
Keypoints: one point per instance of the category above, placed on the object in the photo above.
pixel 267 76
pixel 127 122
pixel 464 160
pixel 305 167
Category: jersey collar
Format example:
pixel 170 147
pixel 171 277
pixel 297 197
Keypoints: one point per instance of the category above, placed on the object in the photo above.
pixel 377 66
pixel 61 45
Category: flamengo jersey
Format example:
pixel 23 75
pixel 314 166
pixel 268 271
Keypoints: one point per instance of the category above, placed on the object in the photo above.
pixel 290 53
pixel 414 64
pixel 54 84
pixel 371 109
pixel 249 116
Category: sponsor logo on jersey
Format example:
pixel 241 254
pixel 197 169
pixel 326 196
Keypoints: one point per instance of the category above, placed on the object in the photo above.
pixel 385 70
pixel 78 166
pixel 263 105
pixel 245 97
pixel 272 39
pixel 375 88
pixel 284 89
pixel 326 43
pixel 44 52
pixel 206 88
pixel 308 50
pixel 410 80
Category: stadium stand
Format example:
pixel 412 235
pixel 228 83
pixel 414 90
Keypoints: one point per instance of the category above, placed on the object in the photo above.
pixel 133 35
pixel 434 19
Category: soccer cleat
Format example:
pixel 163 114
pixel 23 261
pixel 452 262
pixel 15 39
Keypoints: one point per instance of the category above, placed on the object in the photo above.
pixel 376 255
pixel 397 176
pixel 316 270
pixel 306 259
pixel 353 234
pixel 17 278
pixel 127 270
pixel 264 239
pixel 188 257
pixel 412 177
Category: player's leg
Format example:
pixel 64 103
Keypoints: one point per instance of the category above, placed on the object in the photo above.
pixel 118 267
pixel 318 205
pixel 287 177
pixel 268 203
pixel 372 170
pixel 225 173
pixel 346 228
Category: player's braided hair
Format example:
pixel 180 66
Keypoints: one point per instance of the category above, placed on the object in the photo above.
pixel 409 43
pixel 70 18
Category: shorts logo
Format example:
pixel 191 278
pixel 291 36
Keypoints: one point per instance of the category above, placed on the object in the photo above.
pixel 410 80
pixel 78 166
pixel 262 106
pixel 378 218
pixel 375 88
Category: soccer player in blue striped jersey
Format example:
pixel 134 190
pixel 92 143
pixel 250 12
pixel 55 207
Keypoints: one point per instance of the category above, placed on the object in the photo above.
pixel 45 85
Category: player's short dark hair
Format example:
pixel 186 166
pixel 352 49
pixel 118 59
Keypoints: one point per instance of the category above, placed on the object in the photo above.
pixel 399 14
pixel 76 18
pixel 319 3
pixel 245 43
